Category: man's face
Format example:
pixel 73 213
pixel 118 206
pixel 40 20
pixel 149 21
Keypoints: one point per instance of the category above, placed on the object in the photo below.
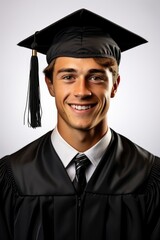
pixel 82 90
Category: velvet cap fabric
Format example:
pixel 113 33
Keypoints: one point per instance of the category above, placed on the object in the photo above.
pixel 82 34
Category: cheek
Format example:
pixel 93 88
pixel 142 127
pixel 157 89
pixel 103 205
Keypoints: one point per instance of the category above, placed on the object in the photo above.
pixel 61 96
pixel 60 89
pixel 105 102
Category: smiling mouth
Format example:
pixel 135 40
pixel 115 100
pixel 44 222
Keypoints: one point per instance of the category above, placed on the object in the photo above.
pixel 81 107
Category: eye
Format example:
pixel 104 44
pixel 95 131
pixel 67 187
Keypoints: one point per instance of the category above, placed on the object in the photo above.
pixel 97 78
pixel 68 77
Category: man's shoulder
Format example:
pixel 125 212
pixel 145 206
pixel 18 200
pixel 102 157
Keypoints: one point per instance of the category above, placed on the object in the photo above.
pixel 130 155
pixel 29 149
pixel 125 144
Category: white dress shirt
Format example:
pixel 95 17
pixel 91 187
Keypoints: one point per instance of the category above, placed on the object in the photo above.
pixel 66 153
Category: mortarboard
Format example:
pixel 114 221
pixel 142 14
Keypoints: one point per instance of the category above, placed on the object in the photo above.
pixel 81 34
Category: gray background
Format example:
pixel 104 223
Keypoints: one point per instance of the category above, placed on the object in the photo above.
pixel 134 112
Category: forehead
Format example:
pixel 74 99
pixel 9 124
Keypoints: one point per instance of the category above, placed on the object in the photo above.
pixel 76 63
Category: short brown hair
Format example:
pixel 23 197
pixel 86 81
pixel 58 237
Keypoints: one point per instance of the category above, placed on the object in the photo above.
pixel 109 63
pixel 48 71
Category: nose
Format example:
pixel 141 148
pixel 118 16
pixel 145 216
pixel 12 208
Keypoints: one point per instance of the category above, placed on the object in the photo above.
pixel 81 89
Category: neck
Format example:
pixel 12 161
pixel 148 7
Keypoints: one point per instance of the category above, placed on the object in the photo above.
pixel 82 140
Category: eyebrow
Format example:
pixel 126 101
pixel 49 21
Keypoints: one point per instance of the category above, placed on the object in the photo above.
pixel 96 70
pixel 90 71
pixel 69 70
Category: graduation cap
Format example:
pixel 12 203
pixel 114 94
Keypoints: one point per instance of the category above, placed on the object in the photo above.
pixel 81 34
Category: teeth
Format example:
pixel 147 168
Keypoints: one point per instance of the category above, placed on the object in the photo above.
pixel 78 107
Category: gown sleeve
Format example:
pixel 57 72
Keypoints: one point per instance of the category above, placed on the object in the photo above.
pixel 153 201
pixel 6 201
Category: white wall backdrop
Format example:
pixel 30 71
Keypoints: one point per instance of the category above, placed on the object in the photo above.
pixel 134 112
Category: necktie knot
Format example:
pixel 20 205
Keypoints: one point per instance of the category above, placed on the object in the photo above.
pixel 81 163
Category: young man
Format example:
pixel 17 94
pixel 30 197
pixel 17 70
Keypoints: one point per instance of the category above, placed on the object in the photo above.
pixel 82 180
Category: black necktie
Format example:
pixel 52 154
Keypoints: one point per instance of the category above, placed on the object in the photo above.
pixel 81 163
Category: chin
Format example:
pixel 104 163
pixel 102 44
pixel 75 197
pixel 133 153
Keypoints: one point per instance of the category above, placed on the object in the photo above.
pixel 81 127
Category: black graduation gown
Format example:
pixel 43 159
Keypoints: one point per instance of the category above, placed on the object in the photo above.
pixel 121 200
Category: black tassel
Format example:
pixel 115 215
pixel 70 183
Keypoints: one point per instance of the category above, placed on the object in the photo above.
pixel 33 106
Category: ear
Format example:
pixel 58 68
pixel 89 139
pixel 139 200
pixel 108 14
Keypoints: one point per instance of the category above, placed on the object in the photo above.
pixel 115 87
pixel 50 86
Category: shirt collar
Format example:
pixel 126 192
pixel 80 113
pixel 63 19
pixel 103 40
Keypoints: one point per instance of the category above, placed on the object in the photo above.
pixel 66 152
